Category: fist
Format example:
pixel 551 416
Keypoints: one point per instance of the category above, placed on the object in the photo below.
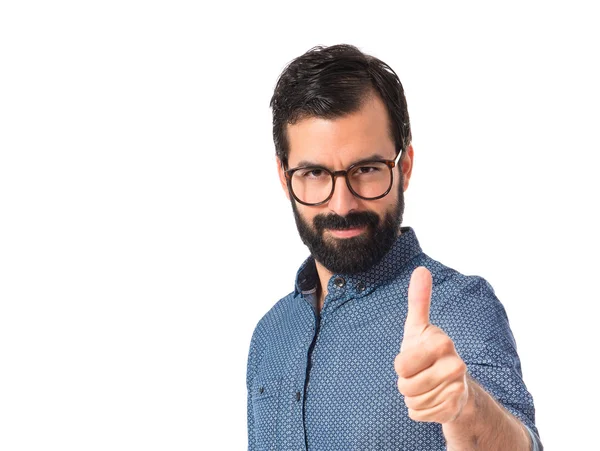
pixel 431 375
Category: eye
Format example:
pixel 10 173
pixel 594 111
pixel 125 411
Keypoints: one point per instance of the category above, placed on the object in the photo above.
pixel 366 170
pixel 312 173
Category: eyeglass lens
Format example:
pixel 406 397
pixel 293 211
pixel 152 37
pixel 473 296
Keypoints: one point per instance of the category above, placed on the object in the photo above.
pixel 313 185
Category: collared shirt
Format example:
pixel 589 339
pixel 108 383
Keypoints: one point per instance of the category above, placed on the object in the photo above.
pixel 325 381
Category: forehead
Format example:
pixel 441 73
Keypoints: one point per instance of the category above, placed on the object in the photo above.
pixel 341 141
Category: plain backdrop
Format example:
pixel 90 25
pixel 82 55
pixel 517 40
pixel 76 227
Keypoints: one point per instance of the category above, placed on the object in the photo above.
pixel 143 232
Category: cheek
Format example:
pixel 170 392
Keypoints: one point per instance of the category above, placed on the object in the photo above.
pixel 388 204
pixel 306 213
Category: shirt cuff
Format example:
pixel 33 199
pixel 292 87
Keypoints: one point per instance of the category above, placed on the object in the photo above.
pixel 535 440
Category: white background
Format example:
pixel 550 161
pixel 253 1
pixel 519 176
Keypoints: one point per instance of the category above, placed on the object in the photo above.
pixel 143 232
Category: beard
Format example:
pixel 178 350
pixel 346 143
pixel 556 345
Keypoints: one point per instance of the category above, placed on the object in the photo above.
pixel 355 254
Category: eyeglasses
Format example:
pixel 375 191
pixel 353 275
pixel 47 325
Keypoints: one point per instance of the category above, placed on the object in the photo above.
pixel 367 179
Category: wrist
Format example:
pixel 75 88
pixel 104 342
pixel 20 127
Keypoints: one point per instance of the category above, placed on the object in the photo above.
pixel 484 424
pixel 463 428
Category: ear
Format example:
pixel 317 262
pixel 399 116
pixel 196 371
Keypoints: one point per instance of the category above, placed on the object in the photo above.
pixel 406 165
pixel 282 178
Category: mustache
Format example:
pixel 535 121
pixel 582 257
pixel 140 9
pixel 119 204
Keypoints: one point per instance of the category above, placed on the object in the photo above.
pixel 350 221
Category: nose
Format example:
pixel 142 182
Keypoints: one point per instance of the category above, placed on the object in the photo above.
pixel 343 201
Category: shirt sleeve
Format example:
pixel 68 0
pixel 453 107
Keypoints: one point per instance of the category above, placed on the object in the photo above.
pixel 251 442
pixel 249 379
pixel 477 323
pixel 535 440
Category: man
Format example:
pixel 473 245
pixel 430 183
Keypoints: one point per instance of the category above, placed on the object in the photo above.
pixel 379 347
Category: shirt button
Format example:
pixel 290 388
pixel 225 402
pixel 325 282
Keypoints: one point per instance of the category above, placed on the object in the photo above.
pixel 339 282
pixel 261 390
pixel 297 396
pixel 360 286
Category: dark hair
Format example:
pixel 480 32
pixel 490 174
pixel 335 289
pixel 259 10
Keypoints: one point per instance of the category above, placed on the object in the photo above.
pixel 330 82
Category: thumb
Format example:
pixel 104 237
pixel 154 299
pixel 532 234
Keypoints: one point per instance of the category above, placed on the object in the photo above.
pixel 419 301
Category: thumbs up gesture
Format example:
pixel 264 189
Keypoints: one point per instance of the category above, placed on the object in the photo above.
pixel 431 375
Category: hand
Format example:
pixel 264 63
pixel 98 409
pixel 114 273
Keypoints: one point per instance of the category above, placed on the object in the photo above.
pixel 431 375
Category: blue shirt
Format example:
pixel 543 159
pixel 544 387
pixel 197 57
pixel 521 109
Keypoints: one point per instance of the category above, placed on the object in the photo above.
pixel 326 381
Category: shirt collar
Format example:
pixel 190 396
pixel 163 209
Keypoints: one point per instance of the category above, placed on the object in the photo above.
pixel 404 249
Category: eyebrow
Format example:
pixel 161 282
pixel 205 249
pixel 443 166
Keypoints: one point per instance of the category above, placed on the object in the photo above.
pixel 308 163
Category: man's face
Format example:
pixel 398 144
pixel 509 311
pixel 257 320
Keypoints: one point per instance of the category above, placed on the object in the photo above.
pixel 348 234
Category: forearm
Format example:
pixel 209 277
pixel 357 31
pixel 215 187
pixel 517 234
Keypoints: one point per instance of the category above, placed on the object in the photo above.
pixel 484 424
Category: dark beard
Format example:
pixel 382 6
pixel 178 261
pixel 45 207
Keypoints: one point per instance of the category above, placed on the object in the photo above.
pixel 355 254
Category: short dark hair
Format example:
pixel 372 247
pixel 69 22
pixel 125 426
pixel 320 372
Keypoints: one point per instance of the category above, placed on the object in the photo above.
pixel 330 82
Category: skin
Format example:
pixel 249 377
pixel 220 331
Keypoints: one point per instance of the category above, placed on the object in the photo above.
pixel 431 375
pixel 336 144
pixel 437 388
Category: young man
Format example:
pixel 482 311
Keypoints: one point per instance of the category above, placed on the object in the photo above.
pixel 379 347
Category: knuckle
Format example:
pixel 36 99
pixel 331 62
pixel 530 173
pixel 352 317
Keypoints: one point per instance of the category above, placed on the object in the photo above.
pixel 445 346
pixel 406 387
pixel 413 415
pixel 401 365
pixel 402 385
pixel 398 364
pixel 455 392
pixel 459 369
pixel 410 402
pixel 439 345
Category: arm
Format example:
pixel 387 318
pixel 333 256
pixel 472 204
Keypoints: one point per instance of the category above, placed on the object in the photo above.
pixel 436 385
pixel 484 424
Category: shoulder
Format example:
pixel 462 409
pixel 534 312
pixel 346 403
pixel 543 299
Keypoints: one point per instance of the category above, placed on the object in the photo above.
pixel 281 320
pixel 275 316
pixel 277 334
pixel 455 290
pixel 467 309
pixel 263 330
pixel 461 301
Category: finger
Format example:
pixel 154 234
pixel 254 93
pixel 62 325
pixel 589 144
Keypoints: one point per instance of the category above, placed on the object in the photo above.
pixel 419 301
pixel 444 370
pixel 441 413
pixel 415 359
pixel 432 398
pixel 448 409
pixel 422 382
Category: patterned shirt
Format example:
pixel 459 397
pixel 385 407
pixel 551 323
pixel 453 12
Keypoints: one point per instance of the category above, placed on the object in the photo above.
pixel 325 381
